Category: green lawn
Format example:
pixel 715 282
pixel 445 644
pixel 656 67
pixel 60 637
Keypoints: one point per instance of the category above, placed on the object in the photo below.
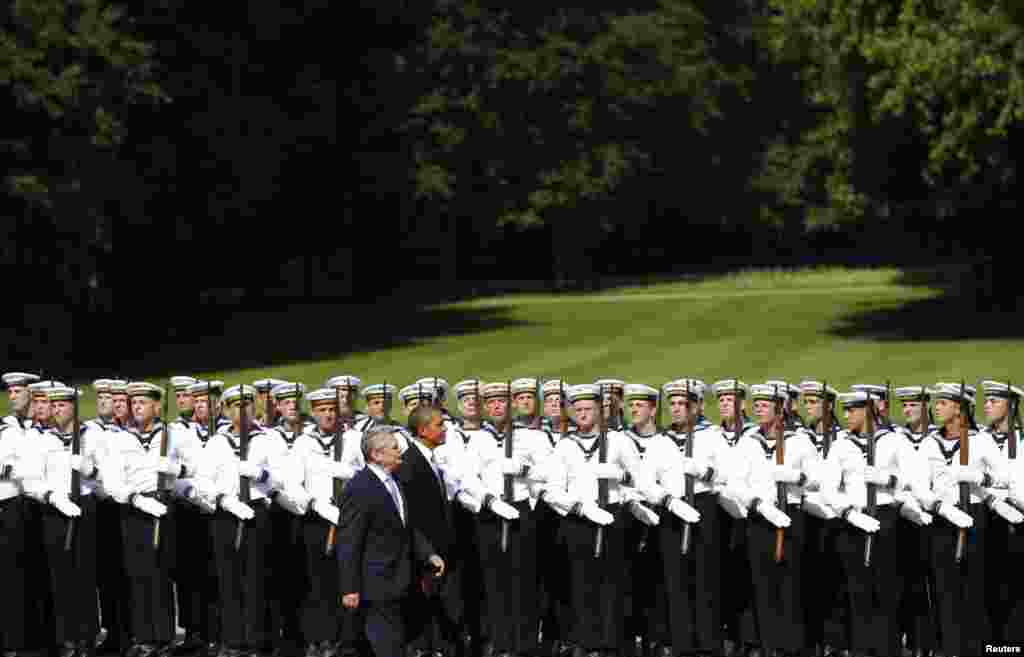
pixel 754 325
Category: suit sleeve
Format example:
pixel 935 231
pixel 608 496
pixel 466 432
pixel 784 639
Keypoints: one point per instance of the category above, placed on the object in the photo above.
pixel 353 523
pixel 422 549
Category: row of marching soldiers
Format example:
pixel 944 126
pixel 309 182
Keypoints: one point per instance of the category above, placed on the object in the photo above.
pixel 615 538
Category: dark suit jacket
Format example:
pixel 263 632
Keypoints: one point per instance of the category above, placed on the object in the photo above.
pixel 428 505
pixel 377 555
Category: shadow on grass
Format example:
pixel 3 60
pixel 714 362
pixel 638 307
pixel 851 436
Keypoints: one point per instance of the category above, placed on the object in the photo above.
pixel 980 301
pixel 227 339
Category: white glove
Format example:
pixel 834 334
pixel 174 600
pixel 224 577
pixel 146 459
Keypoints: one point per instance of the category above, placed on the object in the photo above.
pixel 340 470
pixel 1010 514
pixel 149 505
pixel 773 515
pixel 876 476
pixel 785 474
pixel 607 471
pixel 293 500
pixel 327 511
pixel 249 470
pixel 813 505
pixel 200 500
pixel 65 506
pixel 683 511
pixel 956 516
pixel 732 506
pixel 644 514
pixel 966 474
pixel 915 514
pixel 862 521
pixel 596 514
pixel 504 509
pixel 511 466
pixel 168 467
pixel 234 506
pixel 693 468
pixel 83 463
pixel 468 500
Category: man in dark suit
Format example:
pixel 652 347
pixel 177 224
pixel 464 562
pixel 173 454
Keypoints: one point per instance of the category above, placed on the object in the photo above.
pixel 437 606
pixel 379 545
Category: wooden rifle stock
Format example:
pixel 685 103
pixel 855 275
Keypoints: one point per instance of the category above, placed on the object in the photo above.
pixel 602 457
pixel 243 482
pixel 780 487
pixel 76 477
pixel 872 489
pixel 965 488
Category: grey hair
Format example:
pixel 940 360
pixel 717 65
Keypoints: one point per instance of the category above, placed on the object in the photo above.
pixel 375 436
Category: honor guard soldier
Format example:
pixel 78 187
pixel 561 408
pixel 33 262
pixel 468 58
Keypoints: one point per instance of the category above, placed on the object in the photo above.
pixel 132 481
pixel 182 397
pixel 243 530
pixel 731 395
pixel 874 565
pixel 110 573
pixel 737 593
pixel 122 405
pixel 595 536
pixel 824 595
pixel 71 566
pixel 646 606
pixel 880 394
pixel 917 615
pixel 21 474
pixel 379 397
pixel 468 394
pixel 524 399
pixel 1005 542
pixel 771 507
pixel 613 391
pixel 689 532
pixel 437 391
pixel 347 387
pixel 791 404
pixel 287 590
pixel 958 561
pixel 263 396
pixel 41 410
pixel 556 407
pixel 315 450
pixel 195 573
pixel 18 394
pixel 507 528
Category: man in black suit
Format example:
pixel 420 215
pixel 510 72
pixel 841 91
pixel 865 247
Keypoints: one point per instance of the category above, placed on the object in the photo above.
pixel 437 607
pixel 379 546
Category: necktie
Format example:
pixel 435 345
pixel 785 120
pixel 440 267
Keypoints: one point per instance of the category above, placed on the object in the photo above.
pixel 396 497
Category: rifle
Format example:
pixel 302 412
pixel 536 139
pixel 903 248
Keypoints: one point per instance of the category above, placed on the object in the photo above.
pixel 243 454
pixel 538 410
pixel 780 487
pixel 76 477
pixel 690 494
pixel 1011 424
pixel 826 421
pixel 602 457
pixel 563 419
pixel 268 409
pixel 965 488
pixel 509 493
pixel 872 489
pixel 163 480
pixel 339 485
